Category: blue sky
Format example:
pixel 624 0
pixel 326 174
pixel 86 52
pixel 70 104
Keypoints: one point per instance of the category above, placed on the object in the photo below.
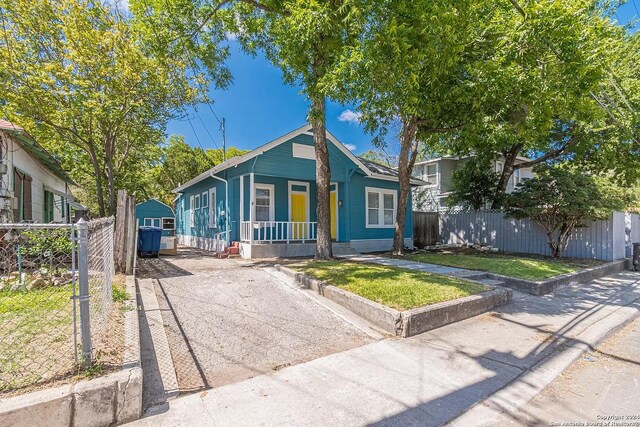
pixel 259 107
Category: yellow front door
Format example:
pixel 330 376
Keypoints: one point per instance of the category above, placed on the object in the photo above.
pixel 299 215
pixel 334 215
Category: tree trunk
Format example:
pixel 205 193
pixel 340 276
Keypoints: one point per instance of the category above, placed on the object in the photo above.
pixel 408 155
pixel 510 157
pixel 317 119
pixel 111 184
pixel 98 173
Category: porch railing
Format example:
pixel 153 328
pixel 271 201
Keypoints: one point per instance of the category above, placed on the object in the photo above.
pixel 278 231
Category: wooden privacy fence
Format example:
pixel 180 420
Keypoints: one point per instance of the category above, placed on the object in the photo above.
pixel 126 232
pixel 607 240
pixel 425 228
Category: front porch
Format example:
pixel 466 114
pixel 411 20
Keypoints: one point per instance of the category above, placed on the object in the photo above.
pixel 289 250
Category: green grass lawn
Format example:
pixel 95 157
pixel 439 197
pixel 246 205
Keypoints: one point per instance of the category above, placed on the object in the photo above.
pixel 507 265
pixel 394 287
pixel 37 336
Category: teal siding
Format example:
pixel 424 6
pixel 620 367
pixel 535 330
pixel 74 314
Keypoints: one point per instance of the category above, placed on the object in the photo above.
pixel 200 226
pixel 153 209
pixel 277 167
pixel 358 209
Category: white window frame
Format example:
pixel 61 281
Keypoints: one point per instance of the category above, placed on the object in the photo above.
pixel 380 192
pixel 204 196
pixel 213 220
pixel 517 177
pixel 436 175
pixel 162 223
pixel 499 167
pixel 192 205
pixel 197 202
pixel 272 193
pixel 148 222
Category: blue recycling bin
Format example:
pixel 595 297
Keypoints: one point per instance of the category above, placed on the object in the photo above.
pixel 149 241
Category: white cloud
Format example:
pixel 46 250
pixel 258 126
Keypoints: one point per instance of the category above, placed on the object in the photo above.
pixel 350 147
pixel 230 36
pixel 350 117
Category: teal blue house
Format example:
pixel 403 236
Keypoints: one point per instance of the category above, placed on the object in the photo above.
pixel 154 213
pixel 265 200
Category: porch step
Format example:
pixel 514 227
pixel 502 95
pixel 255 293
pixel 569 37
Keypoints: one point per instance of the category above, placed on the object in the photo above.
pixel 233 250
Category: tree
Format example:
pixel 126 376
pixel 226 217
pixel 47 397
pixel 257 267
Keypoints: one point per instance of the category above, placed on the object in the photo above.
pixel 304 39
pixel 91 89
pixel 379 156
pixel 408 66
pixel 178 163
pixel 560 199
pixel 540 74
pixel 473 186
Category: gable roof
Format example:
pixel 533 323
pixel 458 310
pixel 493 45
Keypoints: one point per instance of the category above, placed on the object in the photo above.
pixel 378 171
pixel 29 144
pixel 155 199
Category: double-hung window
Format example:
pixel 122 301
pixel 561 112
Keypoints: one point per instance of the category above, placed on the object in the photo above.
pixel 264 202
pixel 192 207
pixel 381 207
pixel 152 222
pixel 213 220
pixel 431 173
pixel 517 177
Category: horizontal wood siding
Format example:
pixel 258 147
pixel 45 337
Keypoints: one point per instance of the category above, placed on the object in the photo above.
pixel 154 209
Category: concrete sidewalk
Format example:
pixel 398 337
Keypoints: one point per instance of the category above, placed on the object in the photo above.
pixel 469 368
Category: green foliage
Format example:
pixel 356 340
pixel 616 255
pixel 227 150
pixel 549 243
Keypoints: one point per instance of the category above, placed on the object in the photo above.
pixel 394 287
pixel 474 185
pixel 45 242
pixel 119 293
pixel 179 162
pixel 561 198
pixel 94 87
pixel 519 266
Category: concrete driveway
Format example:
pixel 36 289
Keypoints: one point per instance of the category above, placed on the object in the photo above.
pixel 229 320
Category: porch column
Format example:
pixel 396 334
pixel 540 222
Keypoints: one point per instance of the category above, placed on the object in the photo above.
pixel 241 199
pixel 252 198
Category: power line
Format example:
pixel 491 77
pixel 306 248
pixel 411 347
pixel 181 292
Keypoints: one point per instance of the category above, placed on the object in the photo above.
pixel 195 133
pixel 206 130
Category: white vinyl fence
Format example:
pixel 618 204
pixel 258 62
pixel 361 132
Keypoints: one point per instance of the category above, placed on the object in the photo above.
pixel 607 240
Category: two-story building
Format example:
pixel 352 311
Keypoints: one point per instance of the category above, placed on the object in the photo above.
pixel 438 174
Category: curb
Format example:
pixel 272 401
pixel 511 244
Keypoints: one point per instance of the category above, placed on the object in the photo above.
pixel 547 286
pixel 111 399
pixel 530 383
pixel 409 322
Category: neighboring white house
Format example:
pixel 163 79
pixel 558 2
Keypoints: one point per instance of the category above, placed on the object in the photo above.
pixel 438 173
pixel 33 186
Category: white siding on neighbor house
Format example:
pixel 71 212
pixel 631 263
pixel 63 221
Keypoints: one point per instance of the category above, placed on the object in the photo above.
pixel 17 157
pixel 446 167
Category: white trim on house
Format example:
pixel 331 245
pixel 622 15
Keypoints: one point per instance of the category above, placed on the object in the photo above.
pixel 213 210
pixel 150 222
pixel 381 192
pixel 196 205
pixel 167 228
pixel 306 192
pixel 306 129
pixel 272 199
pixel 162 203
pixel 202 199
pixel 192 211
pixel 303 151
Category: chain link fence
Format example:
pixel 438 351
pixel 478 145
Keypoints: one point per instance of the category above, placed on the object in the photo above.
pixel 41 271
